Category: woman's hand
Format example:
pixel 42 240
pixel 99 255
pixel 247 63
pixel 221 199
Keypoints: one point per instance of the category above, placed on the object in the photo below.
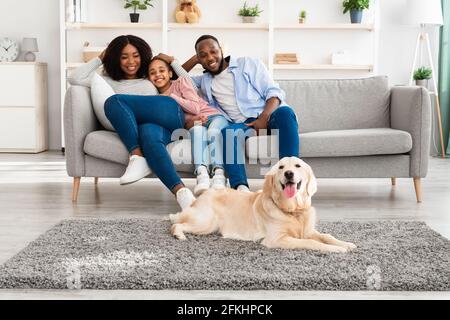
pixel 166 58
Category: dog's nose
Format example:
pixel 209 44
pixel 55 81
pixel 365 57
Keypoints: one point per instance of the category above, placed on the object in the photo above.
pixel 289 175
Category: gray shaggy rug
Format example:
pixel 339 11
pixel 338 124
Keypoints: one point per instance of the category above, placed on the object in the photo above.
pixel 141 254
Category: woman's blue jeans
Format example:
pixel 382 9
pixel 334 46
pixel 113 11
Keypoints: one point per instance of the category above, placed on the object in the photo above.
pixel 207 146
pixel 148 122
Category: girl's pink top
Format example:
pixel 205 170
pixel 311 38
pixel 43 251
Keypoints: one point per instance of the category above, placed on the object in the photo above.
pixel 187 97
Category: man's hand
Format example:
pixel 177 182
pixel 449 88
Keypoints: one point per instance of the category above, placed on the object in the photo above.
pixel 196 120
pixel 260 123
pixel 166 58
pixel 191 63
pixel 263 120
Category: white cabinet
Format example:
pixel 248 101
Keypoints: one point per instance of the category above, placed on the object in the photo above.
pixel 23 107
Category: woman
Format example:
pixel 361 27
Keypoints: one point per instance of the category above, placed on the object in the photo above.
pixel 151 118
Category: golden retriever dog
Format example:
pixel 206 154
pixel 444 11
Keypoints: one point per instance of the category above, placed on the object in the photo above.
pixel 280 215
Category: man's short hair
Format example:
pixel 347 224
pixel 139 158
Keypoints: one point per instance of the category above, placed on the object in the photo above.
pixel 205 37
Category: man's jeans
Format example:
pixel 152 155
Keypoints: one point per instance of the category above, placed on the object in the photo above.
pixel 207 143
pixel 283 119
pixel 148 122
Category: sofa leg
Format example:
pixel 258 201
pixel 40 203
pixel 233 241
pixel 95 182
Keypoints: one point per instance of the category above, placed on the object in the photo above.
pixel 76 187
pixel 418 188
pixel 96 180
pixel 394 181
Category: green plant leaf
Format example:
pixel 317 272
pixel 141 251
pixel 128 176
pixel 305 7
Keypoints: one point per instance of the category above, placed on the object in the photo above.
pixel 355 5
pixel 138 4
pixel 422 73
pixel 246 11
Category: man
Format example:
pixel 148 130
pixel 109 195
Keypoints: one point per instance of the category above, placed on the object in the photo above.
pixel 244 92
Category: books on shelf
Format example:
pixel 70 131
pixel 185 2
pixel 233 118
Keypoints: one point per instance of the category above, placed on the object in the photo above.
pixel 286 58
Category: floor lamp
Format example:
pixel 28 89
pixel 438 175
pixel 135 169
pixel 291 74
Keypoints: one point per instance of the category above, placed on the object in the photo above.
pixel 427 12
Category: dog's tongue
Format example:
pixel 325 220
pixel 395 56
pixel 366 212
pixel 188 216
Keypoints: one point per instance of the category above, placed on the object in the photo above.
pixel 289 190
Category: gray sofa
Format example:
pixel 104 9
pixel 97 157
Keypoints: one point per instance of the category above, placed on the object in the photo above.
pixel 358 128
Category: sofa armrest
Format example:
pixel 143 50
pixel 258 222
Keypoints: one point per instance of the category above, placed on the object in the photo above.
pixel 411 112
pixel 79 121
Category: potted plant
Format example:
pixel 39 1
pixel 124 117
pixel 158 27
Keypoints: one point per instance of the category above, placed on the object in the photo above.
pixel 137 5
pixel 356 8
pixel 302 16
pixel 249 14
pixel 422 75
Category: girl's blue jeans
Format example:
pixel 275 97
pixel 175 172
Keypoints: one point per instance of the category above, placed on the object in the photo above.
pixel 207 146
pixel 148 122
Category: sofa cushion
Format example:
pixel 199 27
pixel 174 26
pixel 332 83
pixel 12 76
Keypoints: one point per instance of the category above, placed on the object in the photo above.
pixel 359 142
pixel 107 145
pixel 337 143
pixel 100 92
pixel 339 104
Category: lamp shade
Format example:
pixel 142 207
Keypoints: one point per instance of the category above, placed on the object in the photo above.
pixel 424 12
pixel 30 45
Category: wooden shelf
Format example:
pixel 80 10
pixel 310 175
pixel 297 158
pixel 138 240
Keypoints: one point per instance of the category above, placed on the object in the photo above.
pixel 23 63
pixel 321 67
pixel 76 26
pixel 73 65
pixel 221 26
pixel 340 26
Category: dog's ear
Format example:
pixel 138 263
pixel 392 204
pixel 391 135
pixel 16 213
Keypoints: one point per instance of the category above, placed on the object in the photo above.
pixel 273 170
pixel 268 185
pixel 311 183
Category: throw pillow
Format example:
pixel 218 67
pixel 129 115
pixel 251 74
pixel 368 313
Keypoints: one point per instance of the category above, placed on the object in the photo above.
pixel 100 91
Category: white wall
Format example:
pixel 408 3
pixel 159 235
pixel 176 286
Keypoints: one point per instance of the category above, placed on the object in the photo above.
pixel 398 40
pixel 40 19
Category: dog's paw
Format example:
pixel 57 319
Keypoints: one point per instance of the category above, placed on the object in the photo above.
pixel 336 249
pixel 180 236
pixel 173 217
pixel 349 246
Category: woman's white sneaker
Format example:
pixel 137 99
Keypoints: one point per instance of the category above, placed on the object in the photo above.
pixel 219 181
pixel 136 170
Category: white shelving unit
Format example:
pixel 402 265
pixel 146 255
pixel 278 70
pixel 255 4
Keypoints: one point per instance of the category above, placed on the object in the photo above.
pixel 267 37
pixel 322 67
pixel 23 107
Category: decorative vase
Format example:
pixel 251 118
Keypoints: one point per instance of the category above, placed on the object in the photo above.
pixel 247 19
pixel 422 83
pixel 301 20
pixel 134 17
pixel 356 15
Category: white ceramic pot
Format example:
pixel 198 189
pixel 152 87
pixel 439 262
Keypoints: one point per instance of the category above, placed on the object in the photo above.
pixel 249 19
pixel 422 83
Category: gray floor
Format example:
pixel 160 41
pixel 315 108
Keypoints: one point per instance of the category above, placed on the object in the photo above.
pixel 36 192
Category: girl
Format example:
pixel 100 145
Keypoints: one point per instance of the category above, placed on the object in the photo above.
pixel 206 138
